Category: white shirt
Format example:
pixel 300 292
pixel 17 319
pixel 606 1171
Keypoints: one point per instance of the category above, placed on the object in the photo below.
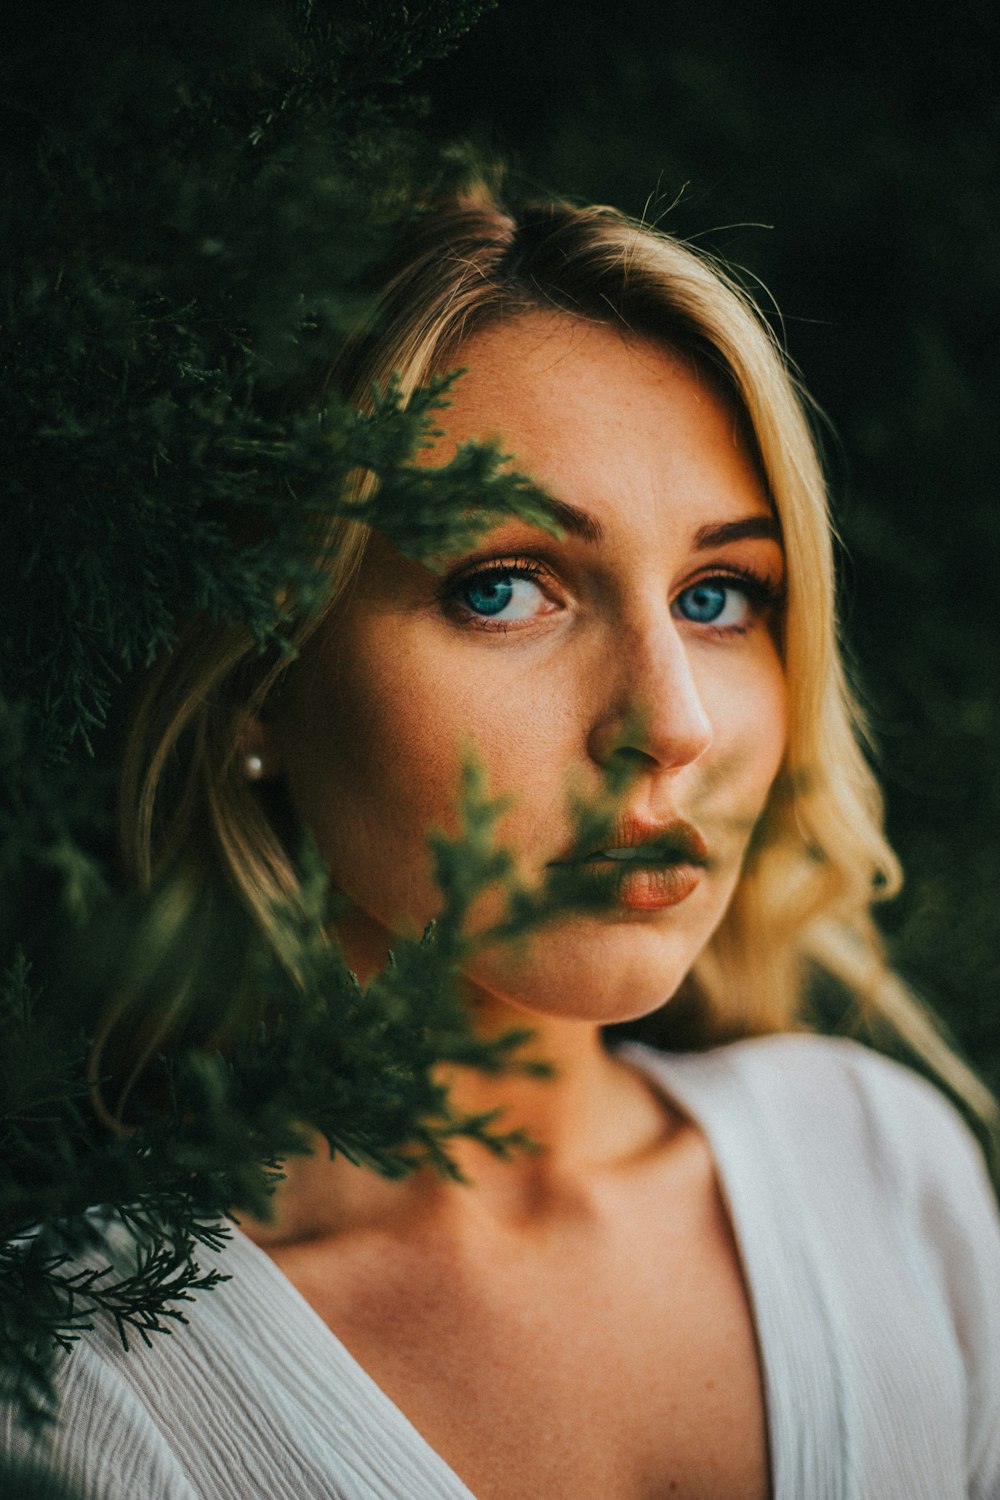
pixel 870 1241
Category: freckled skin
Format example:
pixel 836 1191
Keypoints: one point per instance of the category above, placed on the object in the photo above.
pixel 371 722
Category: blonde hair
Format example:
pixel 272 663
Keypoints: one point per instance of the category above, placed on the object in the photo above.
pixel 819 858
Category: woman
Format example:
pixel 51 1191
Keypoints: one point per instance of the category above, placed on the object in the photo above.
pixel 765 1268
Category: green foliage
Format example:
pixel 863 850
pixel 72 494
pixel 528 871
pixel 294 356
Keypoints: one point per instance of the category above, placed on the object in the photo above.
pixel 200 201
pixel 195 226
pixel 199 195
pixel 314 1053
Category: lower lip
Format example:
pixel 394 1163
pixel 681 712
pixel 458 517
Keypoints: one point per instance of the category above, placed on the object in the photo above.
pixel 649 887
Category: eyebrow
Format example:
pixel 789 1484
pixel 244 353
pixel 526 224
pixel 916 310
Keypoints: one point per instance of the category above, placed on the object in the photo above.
pixel 580 523
pixel 763 528
pixel 576 521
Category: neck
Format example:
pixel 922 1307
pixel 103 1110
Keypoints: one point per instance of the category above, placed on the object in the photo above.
pixel 592 1113
pixel 592 1117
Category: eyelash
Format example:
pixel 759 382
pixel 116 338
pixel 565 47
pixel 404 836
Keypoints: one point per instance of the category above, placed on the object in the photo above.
pixel 450 590
pixel 764 594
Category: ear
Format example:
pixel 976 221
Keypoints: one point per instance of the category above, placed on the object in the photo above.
pixel 257 752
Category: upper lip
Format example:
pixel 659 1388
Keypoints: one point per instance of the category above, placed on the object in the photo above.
pixel 677 841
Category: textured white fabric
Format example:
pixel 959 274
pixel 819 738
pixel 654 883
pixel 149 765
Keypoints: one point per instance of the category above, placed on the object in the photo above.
pixel 871 1245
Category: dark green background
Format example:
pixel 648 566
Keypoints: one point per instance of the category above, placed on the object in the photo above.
pixel 846 157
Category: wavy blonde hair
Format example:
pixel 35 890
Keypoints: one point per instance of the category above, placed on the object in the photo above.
pixel 819 857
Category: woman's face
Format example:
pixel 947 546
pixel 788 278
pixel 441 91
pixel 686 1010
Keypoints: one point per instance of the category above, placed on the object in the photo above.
pixel 545 657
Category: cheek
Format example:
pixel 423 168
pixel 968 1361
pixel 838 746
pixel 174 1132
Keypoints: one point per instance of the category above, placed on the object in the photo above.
pixel 764 723
pixel 365 761
pixel 373 750
pixel 750 719
pixel 763 731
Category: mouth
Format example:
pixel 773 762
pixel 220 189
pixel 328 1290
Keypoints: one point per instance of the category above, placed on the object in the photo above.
pixel 646 866
pixel 643 854
pixel 641 841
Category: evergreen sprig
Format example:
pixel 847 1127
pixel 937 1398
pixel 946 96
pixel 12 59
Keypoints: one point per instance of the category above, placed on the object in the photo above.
pixel 358 1066
pixel 197 216
pixel 199 195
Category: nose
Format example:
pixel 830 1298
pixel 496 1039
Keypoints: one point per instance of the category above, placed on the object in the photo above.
pixel 652 712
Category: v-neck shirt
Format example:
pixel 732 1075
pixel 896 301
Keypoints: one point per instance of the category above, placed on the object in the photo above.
pixel 870 1244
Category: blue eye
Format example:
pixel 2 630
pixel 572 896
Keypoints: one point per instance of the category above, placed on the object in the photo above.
pixel 503 594
pixel 704 602
pixel 714 602
pixel 489 594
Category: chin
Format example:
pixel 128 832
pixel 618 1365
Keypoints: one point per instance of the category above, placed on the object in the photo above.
pixel 577 968
pixel 602 981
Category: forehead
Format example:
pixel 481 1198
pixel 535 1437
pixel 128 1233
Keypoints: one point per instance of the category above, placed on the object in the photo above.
pixel 602 418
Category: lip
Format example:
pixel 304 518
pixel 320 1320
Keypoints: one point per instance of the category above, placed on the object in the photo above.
pixel 648 886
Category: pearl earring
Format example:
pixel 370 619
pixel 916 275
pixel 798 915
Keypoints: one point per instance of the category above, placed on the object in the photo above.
pixel 253 767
